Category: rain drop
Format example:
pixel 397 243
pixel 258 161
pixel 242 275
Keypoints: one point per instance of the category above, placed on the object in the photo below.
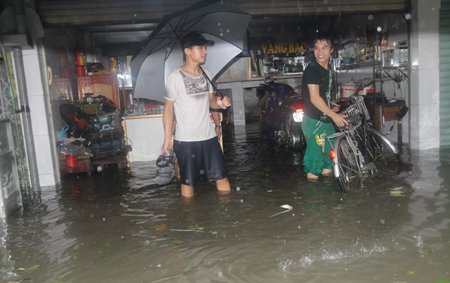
pixel 193 155
pixel 103 219
pixel 187 181
pixel 242 200
pixel 220 274
pixel 408 16
pixel 221 34
pixel 135 15
pixel 370 17
pixel 379 29
pixel 382 221
pixel 202 172
pixel 238 189
pixel 330 9
pixel 92 215
pixel 228 30
pixel 218 24
pixel 159 265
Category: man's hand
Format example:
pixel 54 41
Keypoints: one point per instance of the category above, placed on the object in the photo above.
pixel 166 146
pixel 339 120
pixel 224 103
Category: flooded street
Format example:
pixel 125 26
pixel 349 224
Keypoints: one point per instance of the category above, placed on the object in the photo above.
pixel 119 226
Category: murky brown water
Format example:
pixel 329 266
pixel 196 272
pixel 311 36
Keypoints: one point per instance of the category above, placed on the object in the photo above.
pixel 121 227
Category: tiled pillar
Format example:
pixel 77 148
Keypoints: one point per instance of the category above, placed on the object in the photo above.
pixel 424 129
pixel 39 118
pixel 237 101
pixel 238 109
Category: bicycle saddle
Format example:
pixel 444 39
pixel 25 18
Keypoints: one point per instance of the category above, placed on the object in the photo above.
pixel 351 120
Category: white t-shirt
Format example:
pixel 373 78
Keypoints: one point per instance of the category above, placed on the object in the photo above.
pixel 191 105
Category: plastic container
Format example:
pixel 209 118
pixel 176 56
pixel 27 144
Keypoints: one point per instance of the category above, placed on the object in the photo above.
pixel 71 160
pixel 348 89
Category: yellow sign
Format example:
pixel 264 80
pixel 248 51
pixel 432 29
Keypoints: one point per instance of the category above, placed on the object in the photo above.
pixel 276 48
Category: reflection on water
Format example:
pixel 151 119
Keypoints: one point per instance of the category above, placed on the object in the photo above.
pixel 120 226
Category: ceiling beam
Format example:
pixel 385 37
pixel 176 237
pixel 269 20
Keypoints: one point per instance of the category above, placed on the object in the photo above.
pixel 72 13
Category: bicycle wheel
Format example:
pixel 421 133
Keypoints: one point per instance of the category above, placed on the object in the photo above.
pixel 380 153
pixel 348 165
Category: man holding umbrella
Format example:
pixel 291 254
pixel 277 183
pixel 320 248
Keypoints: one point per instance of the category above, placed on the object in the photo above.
pixel 188 97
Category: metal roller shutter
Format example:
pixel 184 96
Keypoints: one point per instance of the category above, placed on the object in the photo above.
pixel 444 67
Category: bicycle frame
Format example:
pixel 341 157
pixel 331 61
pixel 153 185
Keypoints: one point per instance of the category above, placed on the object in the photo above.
pixel 361 165
pixel 359 110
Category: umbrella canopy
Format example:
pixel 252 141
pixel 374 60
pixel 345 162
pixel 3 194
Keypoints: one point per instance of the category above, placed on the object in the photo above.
pixel 161 53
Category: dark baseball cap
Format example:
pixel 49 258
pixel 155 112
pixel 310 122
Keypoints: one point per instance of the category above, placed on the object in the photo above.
pixel 194 38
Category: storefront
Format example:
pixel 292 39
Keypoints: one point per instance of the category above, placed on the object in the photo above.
pixel 276 46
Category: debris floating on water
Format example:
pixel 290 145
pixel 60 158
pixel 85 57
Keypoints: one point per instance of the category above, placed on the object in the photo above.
pixel 183 230
pixel 285 206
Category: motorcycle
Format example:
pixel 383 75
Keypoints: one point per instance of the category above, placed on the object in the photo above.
pixel 281 112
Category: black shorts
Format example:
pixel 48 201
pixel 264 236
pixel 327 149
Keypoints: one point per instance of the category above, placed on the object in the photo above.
pixel 200 158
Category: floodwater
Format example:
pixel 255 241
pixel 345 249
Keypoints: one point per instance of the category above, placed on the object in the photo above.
pixel 118 226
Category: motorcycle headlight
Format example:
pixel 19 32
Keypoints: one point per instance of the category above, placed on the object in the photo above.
pixel 297 116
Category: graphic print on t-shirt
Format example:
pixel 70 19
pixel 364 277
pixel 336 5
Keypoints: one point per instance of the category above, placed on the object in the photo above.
pixel 195 86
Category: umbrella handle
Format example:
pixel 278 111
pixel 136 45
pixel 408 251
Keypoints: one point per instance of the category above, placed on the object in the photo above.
pixel 218 94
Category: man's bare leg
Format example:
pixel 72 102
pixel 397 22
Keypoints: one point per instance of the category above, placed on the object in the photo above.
pixel 327 172
pixel 311 176
pixel 177 171
pixel 187 191
pixel 223 185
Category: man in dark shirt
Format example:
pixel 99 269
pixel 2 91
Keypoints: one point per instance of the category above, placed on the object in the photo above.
pixel 320 112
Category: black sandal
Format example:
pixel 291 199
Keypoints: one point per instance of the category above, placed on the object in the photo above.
pixel 166 172
pixel 166 160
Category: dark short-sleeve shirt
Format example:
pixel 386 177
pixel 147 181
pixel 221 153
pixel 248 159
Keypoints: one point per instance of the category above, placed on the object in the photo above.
pixel 315 74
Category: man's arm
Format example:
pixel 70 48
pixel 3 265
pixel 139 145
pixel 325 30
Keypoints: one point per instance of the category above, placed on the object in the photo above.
pixel 168 117
pixel 216 118
pixel 320 104
pixel 216 103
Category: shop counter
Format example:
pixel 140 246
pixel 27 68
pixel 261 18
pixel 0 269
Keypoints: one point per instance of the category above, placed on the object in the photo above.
pixel 145 134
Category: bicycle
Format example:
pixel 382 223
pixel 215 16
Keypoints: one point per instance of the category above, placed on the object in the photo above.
pixel 360 149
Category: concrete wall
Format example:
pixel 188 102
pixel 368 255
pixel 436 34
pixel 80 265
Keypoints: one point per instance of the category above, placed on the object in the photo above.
pixel 236 70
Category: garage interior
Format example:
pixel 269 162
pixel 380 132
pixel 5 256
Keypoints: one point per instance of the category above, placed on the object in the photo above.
pixel 115 29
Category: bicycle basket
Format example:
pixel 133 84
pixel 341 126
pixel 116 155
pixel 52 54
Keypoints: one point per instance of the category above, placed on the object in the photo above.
pixel 357 109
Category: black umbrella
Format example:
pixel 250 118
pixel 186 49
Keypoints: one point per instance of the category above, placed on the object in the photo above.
pixel 216 20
